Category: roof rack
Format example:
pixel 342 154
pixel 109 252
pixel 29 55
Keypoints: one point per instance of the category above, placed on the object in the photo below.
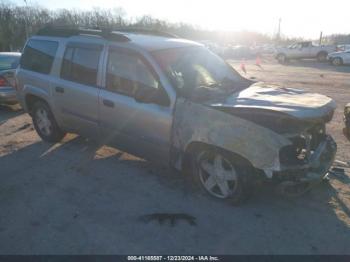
pixel 144 31
pixel 67 32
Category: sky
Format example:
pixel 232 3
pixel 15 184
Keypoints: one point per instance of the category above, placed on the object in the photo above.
pixel 299 18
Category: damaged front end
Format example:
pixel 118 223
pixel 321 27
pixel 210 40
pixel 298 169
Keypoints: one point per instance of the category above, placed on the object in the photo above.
pixel 310 152
pixel 308 158
pixel 281 132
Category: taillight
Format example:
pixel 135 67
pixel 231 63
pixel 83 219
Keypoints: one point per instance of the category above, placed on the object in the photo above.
pixel 3 81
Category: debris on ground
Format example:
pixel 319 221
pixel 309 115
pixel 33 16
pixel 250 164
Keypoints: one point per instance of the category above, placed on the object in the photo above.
pixel 25 126
pixel 339 163
pixel 172 218
pixel 338 173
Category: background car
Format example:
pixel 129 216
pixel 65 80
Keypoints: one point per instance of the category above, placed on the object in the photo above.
pixel 304 50
pixel 8 65
pixel 339 58
pixel 343 47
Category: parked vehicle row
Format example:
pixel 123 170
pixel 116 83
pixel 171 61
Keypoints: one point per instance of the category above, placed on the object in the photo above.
pixel 175 102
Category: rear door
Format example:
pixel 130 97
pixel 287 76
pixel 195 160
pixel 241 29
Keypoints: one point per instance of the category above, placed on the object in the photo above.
pixel 76 91
pixel 307 49
pixel 141 128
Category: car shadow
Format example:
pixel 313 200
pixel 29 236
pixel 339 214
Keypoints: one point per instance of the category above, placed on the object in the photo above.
pixel 77 183
pixel 7 112
pixel 319 65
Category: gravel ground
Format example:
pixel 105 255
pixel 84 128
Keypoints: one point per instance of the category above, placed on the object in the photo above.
pixel 76 198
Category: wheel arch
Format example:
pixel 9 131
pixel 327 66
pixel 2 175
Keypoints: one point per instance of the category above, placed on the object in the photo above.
pixel 195 146
pixel 31 99
pixel 322 52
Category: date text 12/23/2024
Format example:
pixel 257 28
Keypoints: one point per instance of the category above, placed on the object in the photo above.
pixel 172 258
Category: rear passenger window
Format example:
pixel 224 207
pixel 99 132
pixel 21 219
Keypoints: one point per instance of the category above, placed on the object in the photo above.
pixel 38 56
pixel 127 72
pixel 80 64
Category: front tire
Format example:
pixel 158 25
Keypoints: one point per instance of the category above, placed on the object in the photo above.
pixel 215 172
pixel 45 123
pixel 337 61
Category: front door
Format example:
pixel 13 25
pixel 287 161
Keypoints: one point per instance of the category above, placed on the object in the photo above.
pixel 140 127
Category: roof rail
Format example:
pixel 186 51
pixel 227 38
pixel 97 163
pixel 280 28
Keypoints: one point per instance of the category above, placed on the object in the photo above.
pixel 144 31
pixel 67 32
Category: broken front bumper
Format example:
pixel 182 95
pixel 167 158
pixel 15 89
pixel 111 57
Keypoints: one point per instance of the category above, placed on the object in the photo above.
pixel 317 167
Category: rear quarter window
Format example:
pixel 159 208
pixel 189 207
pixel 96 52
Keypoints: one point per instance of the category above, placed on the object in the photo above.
pixel 38 55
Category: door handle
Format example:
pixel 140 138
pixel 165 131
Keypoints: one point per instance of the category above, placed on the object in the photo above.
pixel 108 103
pixel 59 89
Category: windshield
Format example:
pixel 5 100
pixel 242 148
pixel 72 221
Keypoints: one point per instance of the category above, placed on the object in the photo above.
pixel 196 68
pixel 8 62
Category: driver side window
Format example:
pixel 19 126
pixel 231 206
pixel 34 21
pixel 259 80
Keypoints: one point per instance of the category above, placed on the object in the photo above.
pixel 127 72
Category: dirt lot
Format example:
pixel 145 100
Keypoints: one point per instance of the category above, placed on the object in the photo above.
pixel 75 198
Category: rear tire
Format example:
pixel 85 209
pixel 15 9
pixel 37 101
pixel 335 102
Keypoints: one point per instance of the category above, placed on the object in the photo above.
pixel 216 173
pixel 282 58
pixel 322 57
pixel 45 123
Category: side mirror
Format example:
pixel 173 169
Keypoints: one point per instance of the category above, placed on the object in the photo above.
pixel 149 95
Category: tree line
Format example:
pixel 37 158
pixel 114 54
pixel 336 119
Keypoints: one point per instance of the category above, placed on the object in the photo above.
pixel 19 22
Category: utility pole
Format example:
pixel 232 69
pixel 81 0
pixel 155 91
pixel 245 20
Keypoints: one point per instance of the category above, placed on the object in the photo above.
pixel 320 38
pixel 279 29
pixel 26 20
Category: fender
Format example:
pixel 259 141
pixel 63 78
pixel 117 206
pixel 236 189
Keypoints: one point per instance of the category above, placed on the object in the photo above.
pixel 35 91
pixel 199 123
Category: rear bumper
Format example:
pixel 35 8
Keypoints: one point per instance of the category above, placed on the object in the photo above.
pixel 317 167
pixel 8 95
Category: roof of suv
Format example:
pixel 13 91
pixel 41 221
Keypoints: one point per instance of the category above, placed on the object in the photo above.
pixel 144 39
pixel 152 43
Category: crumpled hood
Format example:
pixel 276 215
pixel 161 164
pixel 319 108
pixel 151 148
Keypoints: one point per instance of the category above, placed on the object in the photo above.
pixel 294 102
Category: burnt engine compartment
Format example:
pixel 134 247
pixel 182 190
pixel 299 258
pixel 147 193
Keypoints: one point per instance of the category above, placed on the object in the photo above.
pixel 303 146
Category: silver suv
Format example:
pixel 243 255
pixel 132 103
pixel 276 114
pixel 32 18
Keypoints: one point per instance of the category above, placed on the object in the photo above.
pixel 173 101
